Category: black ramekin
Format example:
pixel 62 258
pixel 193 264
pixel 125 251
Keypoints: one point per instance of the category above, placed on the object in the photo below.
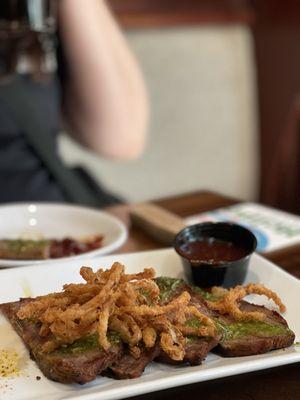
pixel 226 274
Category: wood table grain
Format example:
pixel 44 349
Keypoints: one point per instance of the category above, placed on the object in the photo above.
pixel 272 384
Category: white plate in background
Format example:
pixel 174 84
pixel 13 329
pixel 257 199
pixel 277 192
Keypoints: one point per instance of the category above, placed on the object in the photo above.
pixel 56 221
pixel 51 277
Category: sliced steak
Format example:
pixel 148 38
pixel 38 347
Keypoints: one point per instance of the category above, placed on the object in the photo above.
pixel 237 338
pixel 128 367
pixel 245 338
pixel 196 348
pixel 80 362
pixel 79 368
pixel 254 337
pixel 196 351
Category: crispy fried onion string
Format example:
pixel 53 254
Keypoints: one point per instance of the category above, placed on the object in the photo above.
pixel 112 302
pixel 229 303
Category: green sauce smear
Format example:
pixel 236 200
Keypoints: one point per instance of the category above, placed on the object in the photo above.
pixel 167 287
pixel 81 345
pixel 206 295
pixel 88 343
pixel 191 339
pixel 238 330
pixel 147 295
pixel 193 323
pixel 20 245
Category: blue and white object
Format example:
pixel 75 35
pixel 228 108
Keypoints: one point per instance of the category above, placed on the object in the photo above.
pixel 273 229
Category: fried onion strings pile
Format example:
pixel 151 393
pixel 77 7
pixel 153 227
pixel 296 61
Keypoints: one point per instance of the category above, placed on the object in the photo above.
pixel 112 301
pixel 129 305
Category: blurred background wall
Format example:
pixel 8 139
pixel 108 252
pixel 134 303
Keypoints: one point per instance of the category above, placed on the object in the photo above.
pixel 203 132
pixel 224 84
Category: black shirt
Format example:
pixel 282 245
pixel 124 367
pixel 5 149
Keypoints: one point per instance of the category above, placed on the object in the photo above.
pixel 23 177
pixel 25 173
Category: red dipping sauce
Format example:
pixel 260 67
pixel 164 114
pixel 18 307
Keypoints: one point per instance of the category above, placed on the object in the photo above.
pixel 213 251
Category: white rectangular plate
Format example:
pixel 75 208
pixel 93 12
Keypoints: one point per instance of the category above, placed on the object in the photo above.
pixel 39 280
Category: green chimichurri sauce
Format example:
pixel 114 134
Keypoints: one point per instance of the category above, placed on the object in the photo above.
pixel 191 339
pixel 20 245
pixel 193 323
pixel 206 295
pixel 167 287
pixel 88 343
pixel 238 330
pixel 147 296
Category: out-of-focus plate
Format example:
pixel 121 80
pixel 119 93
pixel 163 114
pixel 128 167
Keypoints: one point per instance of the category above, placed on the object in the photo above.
pixel 55 221
pixel 50 278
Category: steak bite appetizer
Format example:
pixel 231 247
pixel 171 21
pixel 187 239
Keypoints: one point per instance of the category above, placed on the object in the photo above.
pixel 247 329
pixel 129 366
pixel 115 324
pixel 80 362
pixel 244 328
pixel 112 322
pixel 198 340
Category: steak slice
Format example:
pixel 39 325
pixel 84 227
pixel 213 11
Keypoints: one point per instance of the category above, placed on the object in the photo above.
pixel 80 362
pixel 196 351
pixel 196 348
pixel 237 338
pixel 246 338
pixel 128 367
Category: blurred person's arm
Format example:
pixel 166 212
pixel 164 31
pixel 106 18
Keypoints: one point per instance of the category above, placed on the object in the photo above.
pixel 105 101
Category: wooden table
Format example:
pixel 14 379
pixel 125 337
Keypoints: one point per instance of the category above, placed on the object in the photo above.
pixel 272 384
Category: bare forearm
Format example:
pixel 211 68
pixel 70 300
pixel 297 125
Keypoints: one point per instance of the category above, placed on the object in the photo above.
pixel 105 100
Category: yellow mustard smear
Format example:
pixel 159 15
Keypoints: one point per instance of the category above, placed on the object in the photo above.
pixel 27 292
pixel 9 363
